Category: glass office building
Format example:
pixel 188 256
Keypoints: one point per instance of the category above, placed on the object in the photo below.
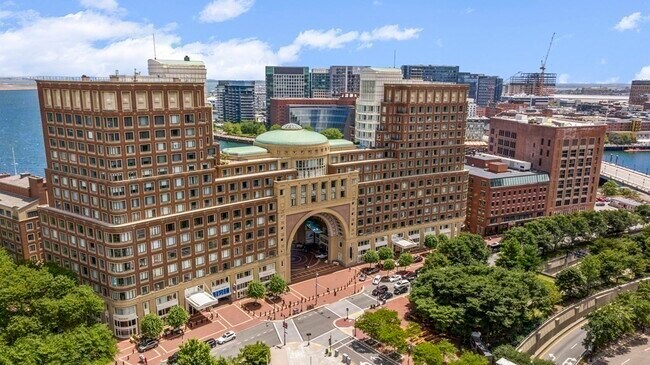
pixel 321 117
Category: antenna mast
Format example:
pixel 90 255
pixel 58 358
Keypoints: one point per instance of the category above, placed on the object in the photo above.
pixel 15 163
pixel 154 45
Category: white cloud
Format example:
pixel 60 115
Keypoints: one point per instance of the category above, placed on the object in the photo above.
pixel 106 5
pixel 563 78
pixel 376 3
pixel 611 80
pixel 603 61
pixel 643 74
pixel 390 32
pixel 322 39
pixel 97 43
pixel 222 10
pixel 469 10
pixel 439 42
pixel 631 22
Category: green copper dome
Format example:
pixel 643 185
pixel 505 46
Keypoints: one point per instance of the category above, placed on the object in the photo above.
pixel 291 134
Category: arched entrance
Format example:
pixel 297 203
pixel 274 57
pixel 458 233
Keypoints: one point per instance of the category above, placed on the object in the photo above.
pixel 317 245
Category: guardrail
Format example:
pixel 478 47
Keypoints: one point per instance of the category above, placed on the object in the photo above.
pixel 569 315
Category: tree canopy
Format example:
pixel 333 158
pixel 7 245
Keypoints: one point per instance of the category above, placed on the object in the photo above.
pixel 464 249
pixel 151 326
pixel 195 352
pixel 245 128
pixel 384 326
pixel 405 259
pixel 257 353
pixel 332 133
pixel 371 257
pixel 277 285
pixel 256 290
pixel 495 301
pixel 48 318
pixel 385 253
pixel 177 316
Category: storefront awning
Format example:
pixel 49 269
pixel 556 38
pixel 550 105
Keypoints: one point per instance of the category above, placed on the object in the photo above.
pixel 403 243
pixel 201 300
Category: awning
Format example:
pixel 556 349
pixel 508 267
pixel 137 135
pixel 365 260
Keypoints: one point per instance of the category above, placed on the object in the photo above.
pixel 201 300
pixel 403 243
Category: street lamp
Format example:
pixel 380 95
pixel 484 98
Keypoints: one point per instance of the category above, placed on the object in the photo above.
pixel 316 290
pixel 308 337
pixel 347 311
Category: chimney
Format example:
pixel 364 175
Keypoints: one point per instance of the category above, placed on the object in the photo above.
pixel 37 189
pixel 497 167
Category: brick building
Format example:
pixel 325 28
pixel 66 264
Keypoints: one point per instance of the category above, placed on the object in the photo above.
pixel 151 215
pixel 502 193
pixel 20 196
pixel 639 92
pixel 569 152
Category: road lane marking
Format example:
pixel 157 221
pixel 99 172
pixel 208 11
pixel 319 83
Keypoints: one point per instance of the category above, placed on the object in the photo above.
pixel 298 332
pixel 648 349
pixel 574 345
pixel 277 332
pixel 625 362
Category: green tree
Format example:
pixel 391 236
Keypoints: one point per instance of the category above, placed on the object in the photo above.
pixel 610 188
pixel 572 283
pixel 613 263
pixel 436 259
pixel 275 127
pixel 47 317
pixel 388 264
pixel 427 353
pixel 332 133
pixel 308 128
pixel 257 353
pixel 465 249
pixel 590 269
pixel 531 259
pixel 277 285
pixel 384 326
pixel 195 352
pixel 470 358
pixel 405 259
pixel 151 326
pixel 454 300
pixel 431 241
pixel 371 257
pixel 177 317
pixel 511 254
pixel 643 211
pixel 256 290
pixel 607 324
pixel 232 128
pixel 385 253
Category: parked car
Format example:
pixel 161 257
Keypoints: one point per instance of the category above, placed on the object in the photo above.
pixel 402 282
pixel 601 204
pixel 410 276
pixel 173 333
pixel 211 342
pixel 394 278
pixel 400 290
pixel 385 296
pixel 172 359
pixel 226 337
pixel 379 290
pixel 418 258
pixel 363 277
pixel 376 280
pixel 369 270
pixel 146 345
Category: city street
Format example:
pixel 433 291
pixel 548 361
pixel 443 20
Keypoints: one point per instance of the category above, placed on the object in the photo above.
pixel 568 348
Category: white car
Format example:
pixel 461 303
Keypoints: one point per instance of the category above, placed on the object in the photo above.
pixel 376 280
pixel 226 337
pixel 321 256
pixel 402 283
pixel 394 278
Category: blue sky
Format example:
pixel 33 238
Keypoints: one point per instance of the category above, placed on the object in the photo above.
pixel 596 41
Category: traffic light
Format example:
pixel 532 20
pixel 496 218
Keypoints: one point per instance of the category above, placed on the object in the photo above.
pixel 284 325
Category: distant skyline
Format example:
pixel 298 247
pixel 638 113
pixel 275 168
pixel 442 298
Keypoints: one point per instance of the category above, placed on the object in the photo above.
pixel 596 41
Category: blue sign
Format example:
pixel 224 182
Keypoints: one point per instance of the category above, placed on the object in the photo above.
pixel 221 292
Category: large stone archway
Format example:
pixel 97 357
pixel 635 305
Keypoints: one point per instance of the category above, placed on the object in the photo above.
pixel 338 237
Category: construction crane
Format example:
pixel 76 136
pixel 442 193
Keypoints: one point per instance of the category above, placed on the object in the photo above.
pixel 543 68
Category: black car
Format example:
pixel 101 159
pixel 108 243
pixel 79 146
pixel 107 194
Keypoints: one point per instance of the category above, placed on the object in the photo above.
pixel 418 258
pixel 380 289
pixel 400 290
pixel 370 270
pixel 385 296
pixel 211 342
pixel 147 345
pixel 410 276
pixel 172 359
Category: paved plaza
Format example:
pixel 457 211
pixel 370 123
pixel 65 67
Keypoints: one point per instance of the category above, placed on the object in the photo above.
pixel 337 297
